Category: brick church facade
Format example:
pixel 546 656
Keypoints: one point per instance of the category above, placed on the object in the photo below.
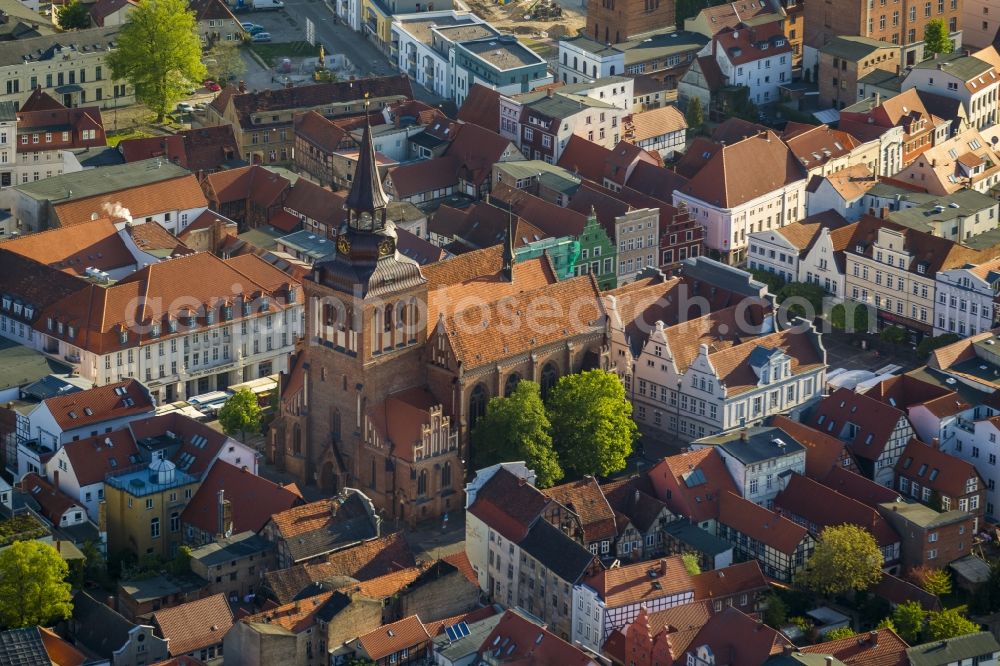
pixel 616 21
pixel 399 361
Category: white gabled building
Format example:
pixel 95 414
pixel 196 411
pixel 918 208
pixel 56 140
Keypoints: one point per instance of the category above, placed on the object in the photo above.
pixel 973 82
pixel 752 185
pixel 758 58
pixel 966 299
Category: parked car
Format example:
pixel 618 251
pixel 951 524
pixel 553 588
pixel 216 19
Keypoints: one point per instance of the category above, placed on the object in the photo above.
pixel 184 107
pixel 212 85
pixel 261 37
pixel 252 28
pixel 200 107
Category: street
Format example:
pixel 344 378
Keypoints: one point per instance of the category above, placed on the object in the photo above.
pixel 290 25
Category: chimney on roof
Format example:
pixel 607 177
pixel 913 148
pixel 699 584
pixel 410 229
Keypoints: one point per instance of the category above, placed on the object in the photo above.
pixel 242 86
pixel 884 213
pixel 936 443
pixel 663 567
pixel 743 435
pixel 878 99
pixel 829 660
pixel 873 636
pixel 548 92
pixel 109 601
pixel 224 515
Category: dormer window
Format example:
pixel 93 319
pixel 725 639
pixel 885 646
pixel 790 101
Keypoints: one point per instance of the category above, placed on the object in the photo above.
pixel 291 294
pixel 29 311
pixel 210 316
pixel 921 268
pixel 6 303
pixel 227 312
pixel 50 324
pixel 264 304
pixel 123 336
pixel 246 307
pixel 155 330
pixel 859 248
pixel 72 332
pixel 60 328
pixel 172 325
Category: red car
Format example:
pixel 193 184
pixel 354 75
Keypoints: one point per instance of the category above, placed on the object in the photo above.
pixel 212 85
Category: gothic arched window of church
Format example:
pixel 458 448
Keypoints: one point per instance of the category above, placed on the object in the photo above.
pixel 477 404
pixel 549 377
pixel 422 482
pixel 511 384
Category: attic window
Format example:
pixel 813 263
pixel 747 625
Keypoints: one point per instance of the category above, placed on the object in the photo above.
pixel 921 268
pixel 819 421
pixel 154 330
pixel 88 411
pixel 907 463
pixel 72 415
pixel 923 468
pixel 934 473
pixel 123 337
pixel 868 439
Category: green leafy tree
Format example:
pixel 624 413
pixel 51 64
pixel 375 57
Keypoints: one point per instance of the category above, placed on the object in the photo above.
pixel 695 115
pixel 893 335
pixel 774 282
pixel 857 313
pixel 159 53
pixel 949 624
pixel 592 424
pixel 807 296
pixel 839 632
pixel 928 344
pixel 887 623
pixel 224 62
pixel 908 620
pixel 241 413
pixel 847 558
pixel 775 612
pixel 691 564
pixel 936 38
pixel 33 587
pixel 181 564
pixel 517 428
pixel 934 581
pixel 73 16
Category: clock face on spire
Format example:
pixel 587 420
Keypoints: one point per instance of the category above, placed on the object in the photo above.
pixel 386 247
pixel 343 245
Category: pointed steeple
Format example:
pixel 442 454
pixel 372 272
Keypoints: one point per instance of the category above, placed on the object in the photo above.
pixel 366 195
pixel 508 249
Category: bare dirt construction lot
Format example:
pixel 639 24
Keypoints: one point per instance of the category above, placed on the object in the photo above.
pixel 535 18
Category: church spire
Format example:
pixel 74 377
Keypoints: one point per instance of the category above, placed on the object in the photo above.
pixel 367 200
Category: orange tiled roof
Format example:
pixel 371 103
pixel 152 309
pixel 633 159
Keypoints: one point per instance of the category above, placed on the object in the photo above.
pixel 253 499
pixel 641 582
pixel 194 625
pixel 586 499
pixel 99 404
pixel 700 500
pixel 881 647
pixel 141 201
pixel 391 638
pixel 91 244
pixel 525 642
pixel 767 527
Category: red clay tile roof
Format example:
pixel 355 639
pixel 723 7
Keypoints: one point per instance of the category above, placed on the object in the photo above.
pixel 60 651
pixel 641 582
pixel 53 123
pixel 733 364
pixel 152 237
pixel 732 14
pixel 416 178
pixel 199 149
pixel 767 527
pixel 321 132
pixel 746 44
pixel 823 452
pixel 91 458
pixel 253 499
pixel 460 561
pixel 141 201
pixel 899 591
pixel 586 500
pixel 185 429
pixel 657 122
pixel 745 641
pixel 819 144
pixel 745 170
pixel 478 277
pixel 315 202
pixel 875 421
pixel 881 647
pixel 477 149
pixel 858 487
pixel 580 311
pixel 194 625
pixel 91 244
pixel 101 9
pixel 437 627
pixel 481 107
pixel 39 100
pixel 366 561
pixel 905 391
pixel 700 500
pixel 933 468
pixel 727 581
pixel 410 412
pixel 100 312
pixel 205 10
pixel 53 502
pixel 295 616
pixel 99 404
pixel 182 660
pixel 253 182
pixel 524 642
pixel 508 505
pixel 391 638
pixel 818 506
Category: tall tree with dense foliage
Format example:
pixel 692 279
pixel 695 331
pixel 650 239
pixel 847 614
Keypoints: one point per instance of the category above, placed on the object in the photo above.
pixel 936 38
pixel 33 587
pixel 949 624
pixel 73 15
pixel 592 425
pixel 517 428
pixel 847 558
pixel 908 621
pixel 241 414
pixel 224 62
pixel 159 53
pixel 934 581
pixel 695 115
